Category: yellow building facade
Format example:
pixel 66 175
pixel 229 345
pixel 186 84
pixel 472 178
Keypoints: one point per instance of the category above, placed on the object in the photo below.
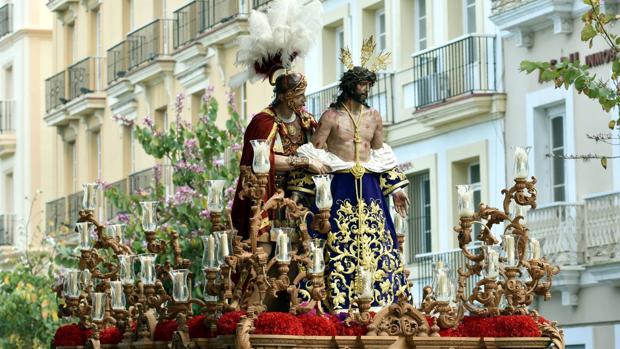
pixel 117 62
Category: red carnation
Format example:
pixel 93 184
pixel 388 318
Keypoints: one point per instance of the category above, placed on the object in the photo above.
pixel 165 329
pixel 316 325
pixel 111 335
pixel 71 335
pixel 227 323
pixel 342 329
pixel 197 328
pixel 278 323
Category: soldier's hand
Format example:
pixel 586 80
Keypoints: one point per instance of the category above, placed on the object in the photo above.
pixel 401 202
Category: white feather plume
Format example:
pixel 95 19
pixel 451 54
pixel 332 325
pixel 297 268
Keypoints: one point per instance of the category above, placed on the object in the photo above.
pixel 288 27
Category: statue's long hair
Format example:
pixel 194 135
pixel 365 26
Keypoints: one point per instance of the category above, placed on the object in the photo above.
pixel 348 84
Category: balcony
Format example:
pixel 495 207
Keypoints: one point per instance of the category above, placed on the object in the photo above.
pixel 7 229
pixel 381 98
pixel 61 5
pixel 424 267
pixel 7 128
pixel 75 92
pixel 141 180
pixel 523 17
pixel 6 20
pixel 55 215
pixel 74 206
pixel 256 4
pixel 201 16
pixel 559 228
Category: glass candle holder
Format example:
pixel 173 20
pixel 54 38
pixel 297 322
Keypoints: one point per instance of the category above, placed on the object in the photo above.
pixel 167 176
pixel 511 249
pixel 71 285
pixel 98 306
pixel 83 229
pixel 367 284
pixel 521 166
pixel 215 195
pixel 116 232
pixel 89 200
pixel 283 244
pixel 210 251
pixel 535 248
pixel 317 256
pixel 465 200
pixel 491 262
pixel 147 268
pixel 86 278
pixel 117 294
pixel 323 191
pixel 126 273
pixel 180 288
pixel 521 211
pixel 442 285
pixel 225 239
pixel 149 215
pixel 260 161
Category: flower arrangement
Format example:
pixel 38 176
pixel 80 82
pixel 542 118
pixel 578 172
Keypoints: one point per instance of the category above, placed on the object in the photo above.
pixel 316 325
pixel 278 323
pixel 197 328
pixel 227 323
pixel 165 329
pixel 110 335
pixel 71 335
pixel 497 326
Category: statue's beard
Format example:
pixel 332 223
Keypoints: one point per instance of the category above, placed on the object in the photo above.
pixel 359 97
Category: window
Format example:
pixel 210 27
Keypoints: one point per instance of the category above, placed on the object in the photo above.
pixel 470 16
pixel 558 180
pixel 339 46
pixel 473 173
pixel 71 43
pixel 420 28
pixel 244 101
pixel 8 193
pixel 381 36
pixel 8 83
pixel 419 220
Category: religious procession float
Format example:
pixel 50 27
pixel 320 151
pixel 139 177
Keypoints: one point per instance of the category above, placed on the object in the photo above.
pixel 311 253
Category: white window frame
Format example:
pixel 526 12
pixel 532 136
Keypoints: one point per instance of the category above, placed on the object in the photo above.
pixel 419 18
pixel 339 45
pixel 381 35
pixel 466 6
pixel 553 114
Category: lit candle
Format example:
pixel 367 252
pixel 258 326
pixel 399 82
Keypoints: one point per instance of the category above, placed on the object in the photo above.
pixel 509 247
pixel 224 244
pixel 367 289
pixel 535 248
pixel 211 251
pixel 283 242
pixel 521 167
pixel 465 202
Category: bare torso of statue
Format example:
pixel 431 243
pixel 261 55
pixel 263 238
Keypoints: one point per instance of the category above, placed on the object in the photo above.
pixel 336 132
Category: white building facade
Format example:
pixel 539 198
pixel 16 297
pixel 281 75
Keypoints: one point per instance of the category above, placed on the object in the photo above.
pixel 578 219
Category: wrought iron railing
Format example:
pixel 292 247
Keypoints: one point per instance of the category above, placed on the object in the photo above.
pixel 55 215
pixel 258 3
pixel 55 91
pixel 141 180
pixel 6 117
pixel 464 66
pixel 199 16
pixel 380 97
pixel 187 23
pixel 147 43
pixel 74 203
pixel 602 228
pixel 559 228
pixel 117 61
pixel 424 268
pixel 111 209
pixel 7 229
pixel 84 77
pixel 6 20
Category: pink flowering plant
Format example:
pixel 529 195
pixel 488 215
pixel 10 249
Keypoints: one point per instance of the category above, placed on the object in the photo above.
pixel 195 153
